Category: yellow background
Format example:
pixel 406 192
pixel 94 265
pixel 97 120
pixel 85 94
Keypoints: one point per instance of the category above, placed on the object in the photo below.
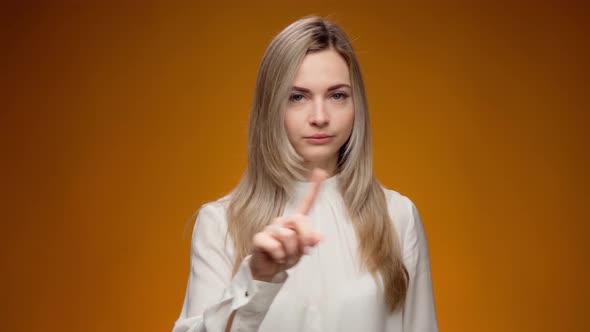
pixel 119 119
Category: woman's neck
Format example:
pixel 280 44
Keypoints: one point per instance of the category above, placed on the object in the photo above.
pixel 328 166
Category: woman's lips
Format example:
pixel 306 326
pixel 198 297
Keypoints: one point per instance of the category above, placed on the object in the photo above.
pixel 319 139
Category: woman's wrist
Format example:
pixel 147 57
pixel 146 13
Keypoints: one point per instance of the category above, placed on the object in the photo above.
pixel 256 275
pixel 265 279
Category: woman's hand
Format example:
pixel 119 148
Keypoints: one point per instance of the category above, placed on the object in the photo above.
pixel 281 244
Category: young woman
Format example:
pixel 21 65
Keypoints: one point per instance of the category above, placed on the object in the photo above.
pixel 309 240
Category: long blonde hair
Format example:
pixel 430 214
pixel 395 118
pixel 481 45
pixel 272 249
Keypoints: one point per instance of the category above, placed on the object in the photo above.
pixel 273 165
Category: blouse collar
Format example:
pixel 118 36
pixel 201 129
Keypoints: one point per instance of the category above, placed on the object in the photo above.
pixel 329 186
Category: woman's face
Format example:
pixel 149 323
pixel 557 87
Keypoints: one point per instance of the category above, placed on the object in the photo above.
pixel 320 111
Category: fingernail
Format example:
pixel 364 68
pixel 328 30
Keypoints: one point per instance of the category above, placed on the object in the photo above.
pixel 281 261
pixel 307 250
pixel 291 261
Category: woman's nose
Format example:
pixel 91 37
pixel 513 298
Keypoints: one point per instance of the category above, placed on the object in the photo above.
pixel 319 116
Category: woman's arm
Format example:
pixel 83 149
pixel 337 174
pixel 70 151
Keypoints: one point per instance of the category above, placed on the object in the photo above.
pixel 215 301
pixel 212 294
pixel 418 313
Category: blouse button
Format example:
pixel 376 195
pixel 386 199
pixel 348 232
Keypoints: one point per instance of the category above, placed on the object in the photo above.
pixel 246 294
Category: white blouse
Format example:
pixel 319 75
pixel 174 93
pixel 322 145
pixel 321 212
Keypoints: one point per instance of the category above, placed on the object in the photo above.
pixel 325 291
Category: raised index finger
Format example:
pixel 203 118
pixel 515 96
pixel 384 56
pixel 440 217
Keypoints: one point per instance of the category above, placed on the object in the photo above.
pixel 317 177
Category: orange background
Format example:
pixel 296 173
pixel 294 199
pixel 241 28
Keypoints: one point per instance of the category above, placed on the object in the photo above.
pixel 118 120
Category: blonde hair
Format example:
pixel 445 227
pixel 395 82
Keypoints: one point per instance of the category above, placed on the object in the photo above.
pixel 273 165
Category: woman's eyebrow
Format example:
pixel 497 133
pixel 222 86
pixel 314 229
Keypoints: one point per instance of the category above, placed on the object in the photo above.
pixel 333 87
pixel 338 86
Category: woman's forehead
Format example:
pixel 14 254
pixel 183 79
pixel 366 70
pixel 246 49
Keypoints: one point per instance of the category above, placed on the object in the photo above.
pixel 321 70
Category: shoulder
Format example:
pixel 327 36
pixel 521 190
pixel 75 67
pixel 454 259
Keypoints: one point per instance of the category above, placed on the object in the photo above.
pixel 405 218
pixel 215 208
pixel 401 208
pixel 211 217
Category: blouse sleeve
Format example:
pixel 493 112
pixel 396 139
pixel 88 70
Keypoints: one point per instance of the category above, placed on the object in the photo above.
pixel 212 294
pixel 419 313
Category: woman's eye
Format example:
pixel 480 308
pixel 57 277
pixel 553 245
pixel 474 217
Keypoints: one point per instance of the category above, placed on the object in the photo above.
pixel 339 96
pixel 296 98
